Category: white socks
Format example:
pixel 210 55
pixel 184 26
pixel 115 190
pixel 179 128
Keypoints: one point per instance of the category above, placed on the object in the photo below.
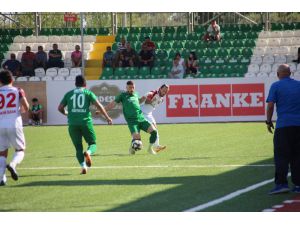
pixel 156 143
pixel 17 158
pixel 2 167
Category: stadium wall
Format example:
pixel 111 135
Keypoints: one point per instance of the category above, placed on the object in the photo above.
pixel 189 100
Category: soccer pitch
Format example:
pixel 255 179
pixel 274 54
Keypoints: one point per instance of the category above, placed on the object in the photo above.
pixel 202 163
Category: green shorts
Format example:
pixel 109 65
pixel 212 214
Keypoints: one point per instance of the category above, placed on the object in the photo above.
pixel 135 127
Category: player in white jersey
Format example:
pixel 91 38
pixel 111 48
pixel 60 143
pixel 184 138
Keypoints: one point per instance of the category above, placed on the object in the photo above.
pixel 12 103
pixel 153 99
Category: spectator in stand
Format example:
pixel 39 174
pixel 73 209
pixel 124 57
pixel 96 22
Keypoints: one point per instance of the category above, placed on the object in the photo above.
pixel 192 64
pixel 213 32
pixel 28 62
pixel 55 57
pixel 181 60
pixel 177 71
pixel 150 44
pixel 36 113
pixel 41 58
pixel 298 59
pixel 13 65
pixel 122 44
pixel 108 57
pixel 146 57
pixel 76 57
pixel 129 56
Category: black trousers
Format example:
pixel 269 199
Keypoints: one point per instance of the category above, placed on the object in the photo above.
pixel 287 154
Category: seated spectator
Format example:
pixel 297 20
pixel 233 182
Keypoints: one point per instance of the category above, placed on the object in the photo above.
pixel 192 64
pixel 181 60
pixel 108 57
pixel 13 65
pixel 146 56
pixel 150 44
pixel 177 70
pixel 76 57
pixel 28 62
pixel 35 113
pixel 122 45
pixel 55 58
pixel 41 58
pixel 213 32
pixel 128 57
pixel 298 59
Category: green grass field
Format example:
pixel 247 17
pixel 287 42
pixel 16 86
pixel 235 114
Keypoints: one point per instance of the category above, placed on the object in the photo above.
pixel 203 162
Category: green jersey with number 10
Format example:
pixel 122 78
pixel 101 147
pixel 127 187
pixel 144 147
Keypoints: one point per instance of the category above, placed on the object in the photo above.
pixel 78 103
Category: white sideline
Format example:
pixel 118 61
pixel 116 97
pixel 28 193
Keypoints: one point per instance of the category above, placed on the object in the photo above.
pixel 229 196
pixel 150 166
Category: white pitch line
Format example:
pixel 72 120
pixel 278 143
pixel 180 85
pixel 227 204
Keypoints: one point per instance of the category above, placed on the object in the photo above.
pixel 150 166
pixel 229 196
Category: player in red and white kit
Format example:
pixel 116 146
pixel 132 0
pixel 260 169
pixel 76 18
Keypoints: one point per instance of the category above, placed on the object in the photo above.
pixel 153 99
pixel 12 103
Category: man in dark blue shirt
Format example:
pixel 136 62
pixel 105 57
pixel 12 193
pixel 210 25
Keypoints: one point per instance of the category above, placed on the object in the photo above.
pixel 13 65
pixel 285 94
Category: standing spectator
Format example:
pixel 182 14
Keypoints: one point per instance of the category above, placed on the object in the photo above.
pixel 41 58
pixel 298 57
pixel 129 56
pixel 11 127
pixel 13 65
pixel 55 57
pixel 108 57
pixel 192 64
pixel 213 32
pixel 28 61
pixel 177 69
pixel 150 44
pixel 122 44
pixel 285 94
pixel 80 120
pixel 146 56
pixel 76 57
pixel 36 113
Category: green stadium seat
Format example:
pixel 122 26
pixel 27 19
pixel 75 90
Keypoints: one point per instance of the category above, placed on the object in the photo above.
pixel 190 45
pixel 92 31
pixel 157 30
pixel 57 31
pixel 201 52
pixel 46 31
pixel 170 30
pixel 145 30
pixel 144 73
pixel 70 31
pixel 247 52
pixel 215 70
pixel 122 30
pixel 165 45
pixel 181 29
pixel 201 44
pixel 7 39
pixel 114 46
pixel 193 36
pixel 208 61
pixel 103 31
pixel 131 37
pixel 15 32
pixel 245 60
pixel 162 54
pixel 134 30
pixel 138 46
pixel 213 44
pixel 256 27
pixel 223 52
pixel 180 36
pixel 234 52
pixel 132 72
pixel 238 43
pixel 107 73
pixel 249 43
pixel 120 73
pixel 156 72
pixel 168 37
pixel 233 61
pixel 241 35
pixel 142 36
pixel 171 54
pixel 220 61
pixel 177 45
pixel 205 70
pixel 211 52
pixel 157 37
pixel 226 43
pixel 289 26
pixel 3 47
pixel 199 29
pixel 245 27
pixel 277 26
pixel 185 53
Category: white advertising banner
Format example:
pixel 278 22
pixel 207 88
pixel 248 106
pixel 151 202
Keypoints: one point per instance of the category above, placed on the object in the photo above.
pixel 188 101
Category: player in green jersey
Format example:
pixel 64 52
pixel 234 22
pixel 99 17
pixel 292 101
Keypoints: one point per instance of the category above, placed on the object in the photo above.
pixel 80 121
pixel 134 116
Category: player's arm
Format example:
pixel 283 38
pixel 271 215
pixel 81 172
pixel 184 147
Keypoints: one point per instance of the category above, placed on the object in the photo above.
pixel 24 105
pixel 101 109
pixel 110 106
pixel 142 99
pixel 270 110
pixel 61 109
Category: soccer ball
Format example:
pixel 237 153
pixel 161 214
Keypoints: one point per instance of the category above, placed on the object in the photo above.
pixel 137 144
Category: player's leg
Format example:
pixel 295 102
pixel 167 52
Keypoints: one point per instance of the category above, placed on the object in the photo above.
pixel 149 128
pixel 135 134
pixel 40 115
pixel 76 137
pixel 17 140
pixel 90 138
pixel 3 155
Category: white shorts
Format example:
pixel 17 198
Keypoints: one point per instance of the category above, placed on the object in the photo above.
pixel 150 118
pixel 12 137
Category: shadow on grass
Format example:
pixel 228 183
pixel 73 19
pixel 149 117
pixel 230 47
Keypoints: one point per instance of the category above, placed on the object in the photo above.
pixel 182 193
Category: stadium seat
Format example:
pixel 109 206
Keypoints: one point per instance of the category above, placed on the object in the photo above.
pixel 273 74
pixel 63 72
pixel 290 58
pixel 256 59
pixel 51 72
pixel 223 52
pixel 288 33
pixel 22 79
pixel 280 59
pixel 298 67
pixel 273 42
pixel 275 34
pixel 19 39
pixel 193 36
pixel 144 73
pixel 275 67
pixel 265 68
pixel 262 75
pixel 283 50
pixel 75 71
pixel 15 47
pixel 261 42
pixel 39 72
pixel 70 78
pixel 253 68
pixel 34 78
pixel 157 30
pixel 250 75
pixel 271 51
pixel 269 59
pixel 286 41
pixel 59 78
pixel 169 30
pixel 293 67
pixel 132 73
pixel 264 34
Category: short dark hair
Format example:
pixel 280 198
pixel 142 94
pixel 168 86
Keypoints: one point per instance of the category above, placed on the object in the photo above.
pixel 34 100
pixel 130 82
pixel 164 85
pixel 80 81
pixel 6 77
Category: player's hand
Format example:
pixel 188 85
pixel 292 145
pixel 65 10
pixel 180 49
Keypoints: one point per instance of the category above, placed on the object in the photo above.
pixel 270 127
pixel 109 121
